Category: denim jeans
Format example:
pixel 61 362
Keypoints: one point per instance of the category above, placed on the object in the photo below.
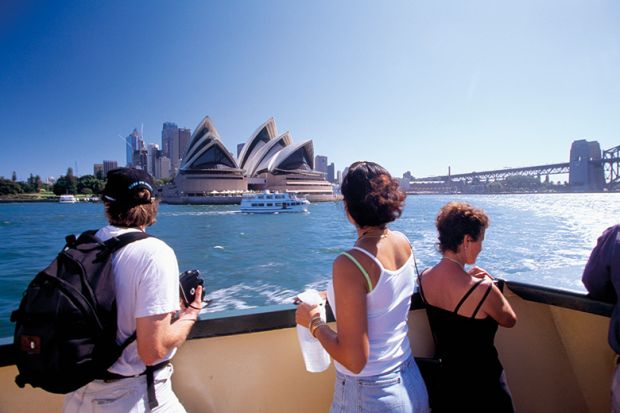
pixel 124 396
pixel 615 389
pixel 401 390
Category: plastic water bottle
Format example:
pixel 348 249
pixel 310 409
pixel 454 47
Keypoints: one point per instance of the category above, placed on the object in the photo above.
pixel 315 356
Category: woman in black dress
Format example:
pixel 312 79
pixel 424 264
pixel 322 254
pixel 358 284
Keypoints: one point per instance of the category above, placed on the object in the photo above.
pixel 464 309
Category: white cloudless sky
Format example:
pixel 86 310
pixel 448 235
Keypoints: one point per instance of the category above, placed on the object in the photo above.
pixel 417 86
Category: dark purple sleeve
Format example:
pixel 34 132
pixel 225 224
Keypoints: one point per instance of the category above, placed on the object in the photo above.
pixel 603 266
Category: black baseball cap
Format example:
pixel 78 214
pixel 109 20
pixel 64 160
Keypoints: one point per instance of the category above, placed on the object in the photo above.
pixel 124 183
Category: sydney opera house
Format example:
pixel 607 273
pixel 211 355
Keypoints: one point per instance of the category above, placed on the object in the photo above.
pixel 209 173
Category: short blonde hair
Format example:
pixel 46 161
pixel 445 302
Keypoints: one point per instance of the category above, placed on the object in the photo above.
pixel 124 215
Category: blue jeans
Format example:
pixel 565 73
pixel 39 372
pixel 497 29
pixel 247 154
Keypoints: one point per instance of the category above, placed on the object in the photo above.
pixel 401 390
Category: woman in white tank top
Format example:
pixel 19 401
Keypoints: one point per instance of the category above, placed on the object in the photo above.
pixel 370 294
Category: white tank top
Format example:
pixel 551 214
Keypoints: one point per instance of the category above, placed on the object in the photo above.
pixel 388 309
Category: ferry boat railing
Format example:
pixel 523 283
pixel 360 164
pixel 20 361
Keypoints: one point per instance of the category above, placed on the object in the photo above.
pixel 556 359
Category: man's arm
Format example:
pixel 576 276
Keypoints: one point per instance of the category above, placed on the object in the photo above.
pixel 597 273
pixel 157 335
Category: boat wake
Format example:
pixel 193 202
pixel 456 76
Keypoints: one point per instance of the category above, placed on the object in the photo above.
pixel 199 213
pixel 244 296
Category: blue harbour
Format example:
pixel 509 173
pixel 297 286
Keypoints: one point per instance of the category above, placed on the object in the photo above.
pixel 251 260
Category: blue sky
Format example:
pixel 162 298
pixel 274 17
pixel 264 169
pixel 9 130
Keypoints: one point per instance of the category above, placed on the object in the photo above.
pixel 413 85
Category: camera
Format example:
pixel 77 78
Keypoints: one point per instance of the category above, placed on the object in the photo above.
pixel 188 281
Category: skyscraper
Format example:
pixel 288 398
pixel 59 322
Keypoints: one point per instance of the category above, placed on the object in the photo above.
pixel 320 163
pixel 168 133
pixel 182 143
pixel 134 143
pixel 108 166
pixel 174 144
pixel 98 171
pixel 151 158
pixel 331 173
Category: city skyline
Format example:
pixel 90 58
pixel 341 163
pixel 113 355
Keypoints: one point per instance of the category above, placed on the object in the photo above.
pixel 415 86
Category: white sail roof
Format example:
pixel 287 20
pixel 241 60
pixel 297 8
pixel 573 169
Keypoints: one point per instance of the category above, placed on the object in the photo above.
pixel 265 132
pixel 299 156
pixel 206 149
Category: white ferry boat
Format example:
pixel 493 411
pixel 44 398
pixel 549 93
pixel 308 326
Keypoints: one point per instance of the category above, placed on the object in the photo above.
pixel 273 202
pixel 67 199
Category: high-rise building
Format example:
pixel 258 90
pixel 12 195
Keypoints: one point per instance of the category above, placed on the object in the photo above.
pixel 168 133
pixel 134 143
pixel 162 166
pixel 331 172
pixel 174 144
pixel 179 148
pixel 108 166
pixel 98 171
pixel 320 163
pixel 151 158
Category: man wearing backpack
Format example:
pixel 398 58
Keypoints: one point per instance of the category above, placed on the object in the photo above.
pixel 146 277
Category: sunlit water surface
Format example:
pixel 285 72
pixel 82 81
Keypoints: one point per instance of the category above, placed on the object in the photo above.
pixel 255 260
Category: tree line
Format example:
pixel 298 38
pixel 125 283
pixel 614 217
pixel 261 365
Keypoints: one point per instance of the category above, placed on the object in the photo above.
pixel 65 184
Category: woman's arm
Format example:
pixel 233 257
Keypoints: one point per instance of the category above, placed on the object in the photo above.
pixel 498 308
pixel 349 345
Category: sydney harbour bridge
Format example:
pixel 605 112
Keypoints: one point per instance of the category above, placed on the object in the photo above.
pixel 589 170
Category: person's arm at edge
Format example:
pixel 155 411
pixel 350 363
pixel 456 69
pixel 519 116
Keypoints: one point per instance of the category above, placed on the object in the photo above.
pixel 157 335
pixel 596 274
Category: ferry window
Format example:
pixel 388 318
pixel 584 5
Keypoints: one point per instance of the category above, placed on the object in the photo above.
pixel 270 204
pixel 279 204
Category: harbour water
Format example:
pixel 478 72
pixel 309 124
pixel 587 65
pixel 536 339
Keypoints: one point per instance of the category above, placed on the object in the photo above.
pixel 256 260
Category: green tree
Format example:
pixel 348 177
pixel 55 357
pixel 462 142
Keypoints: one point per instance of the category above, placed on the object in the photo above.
pixel 34 183
pixel 9 187
pixel 60 186
pixel 88 184
pixel 71 181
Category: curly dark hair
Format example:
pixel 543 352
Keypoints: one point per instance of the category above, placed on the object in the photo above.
pixel 122 214
pixel 457 219
pixel 371 195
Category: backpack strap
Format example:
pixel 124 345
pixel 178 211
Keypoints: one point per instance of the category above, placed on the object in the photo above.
pixel 116 243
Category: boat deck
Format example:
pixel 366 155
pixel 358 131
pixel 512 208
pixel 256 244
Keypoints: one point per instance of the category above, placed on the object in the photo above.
pixel 556 359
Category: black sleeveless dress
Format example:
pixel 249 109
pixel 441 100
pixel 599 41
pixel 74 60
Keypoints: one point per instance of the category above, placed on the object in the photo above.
pixel 472 377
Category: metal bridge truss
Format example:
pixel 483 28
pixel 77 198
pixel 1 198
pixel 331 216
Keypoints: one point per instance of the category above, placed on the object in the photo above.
pixel 501 174
pixel 611 163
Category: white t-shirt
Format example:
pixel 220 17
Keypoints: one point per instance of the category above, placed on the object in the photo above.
pixel 146 274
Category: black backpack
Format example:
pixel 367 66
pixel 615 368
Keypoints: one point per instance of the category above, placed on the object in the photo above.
pixel 65 333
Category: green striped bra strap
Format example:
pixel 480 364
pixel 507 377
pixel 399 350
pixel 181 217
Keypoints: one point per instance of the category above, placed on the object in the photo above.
pixel 362 269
